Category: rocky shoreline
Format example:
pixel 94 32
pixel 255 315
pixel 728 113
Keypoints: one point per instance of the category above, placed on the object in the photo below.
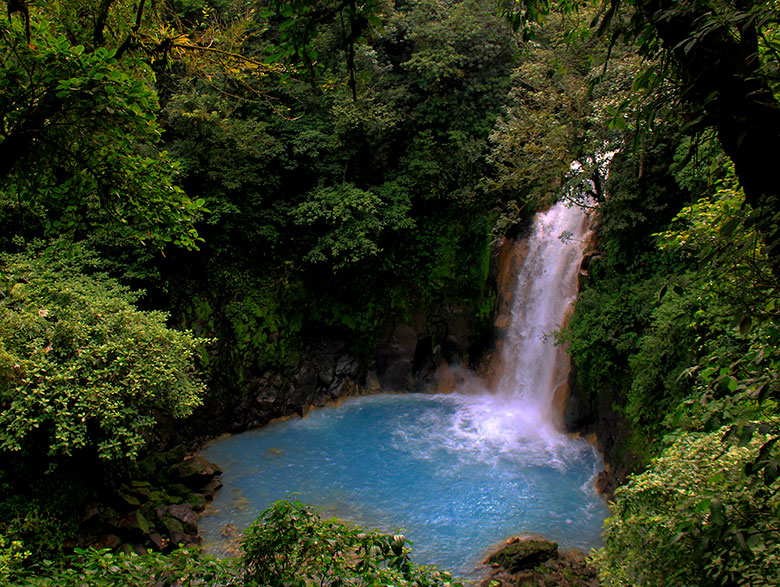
pixel 158 510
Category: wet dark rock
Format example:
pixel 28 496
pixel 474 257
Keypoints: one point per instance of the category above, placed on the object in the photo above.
pixel 397 375
pixel 347 365
pixel 159 542
pixel 173 526
pixel 182 539
pixel 552 567
pixel 179 539
pixel 265 400
pixel 195 471
pixel 178 489
pixel 133 525
pixel 211 488
pixel 147 494
pixel 129 500
pixel 523 553
pixel 185 514
pixel 323 360
pixel 108 541
pixel 197 501
pixel 304 387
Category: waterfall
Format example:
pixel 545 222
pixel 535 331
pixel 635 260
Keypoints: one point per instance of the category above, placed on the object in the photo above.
pixel 546 287
pixel 517 406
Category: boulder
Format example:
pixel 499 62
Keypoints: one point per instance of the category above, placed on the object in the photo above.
pixel 179 539
pixel 186 516
pixel 127 499
pixel 519 554
pixel 197 501
pixel 195 472
pixel 210 489
pixel 173 526
pixel 161 544
pixel 133 524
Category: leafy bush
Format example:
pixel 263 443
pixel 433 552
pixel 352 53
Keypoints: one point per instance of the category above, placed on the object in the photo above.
pixel 102 568
pixel 82 370
pixel 291 545
pixel 695 518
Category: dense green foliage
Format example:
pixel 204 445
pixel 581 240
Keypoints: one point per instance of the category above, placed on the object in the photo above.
pixel 82 369
pixel 85 377
pixel 278 172
pixel 292 545
pixel 694 519
pixel 80 130
pixel 102 568
pixel 333 214
pixel 288 545
pixel 674 338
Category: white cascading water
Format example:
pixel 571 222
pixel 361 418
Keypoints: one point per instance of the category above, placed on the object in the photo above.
pixel 546 288
pixel 516 412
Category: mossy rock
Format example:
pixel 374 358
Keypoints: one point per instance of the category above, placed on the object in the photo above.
pixel 523 553
pixel 179 490
pixel 195 472
pixel 133 525
pixel 197 501
pixel 130 500
pixel 173 525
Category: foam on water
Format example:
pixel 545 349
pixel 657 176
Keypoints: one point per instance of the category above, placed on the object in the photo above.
pixel 458 472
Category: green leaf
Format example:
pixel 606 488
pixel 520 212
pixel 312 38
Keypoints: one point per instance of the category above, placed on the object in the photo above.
pixel 771 472
pixel 745 324
pixel 717 512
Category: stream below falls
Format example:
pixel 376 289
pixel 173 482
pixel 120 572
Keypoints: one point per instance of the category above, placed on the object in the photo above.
pixel 456 473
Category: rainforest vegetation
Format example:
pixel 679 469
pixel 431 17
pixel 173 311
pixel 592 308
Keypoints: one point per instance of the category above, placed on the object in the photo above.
pixel 195 194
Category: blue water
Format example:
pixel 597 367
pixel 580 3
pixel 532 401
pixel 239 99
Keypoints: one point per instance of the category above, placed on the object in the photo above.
pixel 450 471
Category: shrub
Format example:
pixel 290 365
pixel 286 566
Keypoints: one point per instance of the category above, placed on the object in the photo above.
pixel 290 545
pixel 82 370
pixel 695 518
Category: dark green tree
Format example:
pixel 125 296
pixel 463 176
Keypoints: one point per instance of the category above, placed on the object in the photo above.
pixel 79 139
